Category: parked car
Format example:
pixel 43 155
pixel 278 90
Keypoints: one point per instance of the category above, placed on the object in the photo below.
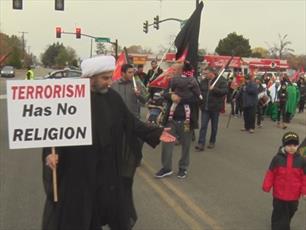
pixel 8 71
pixel 64 73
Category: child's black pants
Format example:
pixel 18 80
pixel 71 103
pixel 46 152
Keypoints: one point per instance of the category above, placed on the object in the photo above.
pixel 282 214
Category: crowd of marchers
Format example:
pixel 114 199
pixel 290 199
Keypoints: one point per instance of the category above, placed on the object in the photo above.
pixel 95 182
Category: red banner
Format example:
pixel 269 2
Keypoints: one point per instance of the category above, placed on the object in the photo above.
pixel 120 61
pixel 220 61
pixel 162 81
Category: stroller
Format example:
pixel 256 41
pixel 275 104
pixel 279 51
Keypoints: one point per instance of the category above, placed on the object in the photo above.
pixel 156 110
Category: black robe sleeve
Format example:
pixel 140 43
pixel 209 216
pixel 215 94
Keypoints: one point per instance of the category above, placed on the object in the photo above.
pixel 150 135
pixel 135 128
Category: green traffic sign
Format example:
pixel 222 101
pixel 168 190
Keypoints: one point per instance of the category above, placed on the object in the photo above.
pixel 102 39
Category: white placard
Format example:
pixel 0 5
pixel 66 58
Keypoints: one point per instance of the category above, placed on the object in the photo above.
pixel 46 113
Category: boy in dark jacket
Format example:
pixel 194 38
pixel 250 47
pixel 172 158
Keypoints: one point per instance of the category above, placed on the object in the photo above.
pixel 287 176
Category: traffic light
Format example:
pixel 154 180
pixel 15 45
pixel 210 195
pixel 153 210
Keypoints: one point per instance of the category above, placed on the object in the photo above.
pixel 78 32
pixel 58 32
pixel 156 22
pixel 17 4
pixel 146 27
pixel 59 4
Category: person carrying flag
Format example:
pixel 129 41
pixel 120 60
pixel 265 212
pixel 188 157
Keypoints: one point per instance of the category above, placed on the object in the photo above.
pixel 140 73
pixel 186 42
pixel 213 101
pixel 153 73
pixel 130 94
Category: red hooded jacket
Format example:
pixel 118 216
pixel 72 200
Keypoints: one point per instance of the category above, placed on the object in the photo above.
pixel 287 176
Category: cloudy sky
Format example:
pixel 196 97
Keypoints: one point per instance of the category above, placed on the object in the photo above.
pixel 260 21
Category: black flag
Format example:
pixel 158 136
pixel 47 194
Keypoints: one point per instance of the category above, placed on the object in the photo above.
pixel 187 39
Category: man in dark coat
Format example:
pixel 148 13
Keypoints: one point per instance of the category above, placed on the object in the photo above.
pixel 213 103
pixel 153 73
pixel 91 186
pixel 302 88
pixel 142 75
pixel 249 93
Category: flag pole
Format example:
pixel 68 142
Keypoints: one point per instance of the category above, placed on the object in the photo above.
pixel 222 71
pixel 134 83
pixel 54 177
pixel 129 62
pixel 161 61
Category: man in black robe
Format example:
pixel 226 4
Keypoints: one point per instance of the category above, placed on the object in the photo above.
pixel 91 187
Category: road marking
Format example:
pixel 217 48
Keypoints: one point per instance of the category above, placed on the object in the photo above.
pixel 188 219
pixel 187 200
pixel 3 96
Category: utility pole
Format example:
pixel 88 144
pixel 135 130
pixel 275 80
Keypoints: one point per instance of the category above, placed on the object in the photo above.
pixel 91 47
pixel 23 45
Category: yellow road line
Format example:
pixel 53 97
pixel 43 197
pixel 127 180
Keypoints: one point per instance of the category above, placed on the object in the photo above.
pixel 188 201
pixel 191 222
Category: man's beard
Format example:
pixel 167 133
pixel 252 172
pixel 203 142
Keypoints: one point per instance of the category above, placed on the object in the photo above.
pixel 99 89
pixel 103 91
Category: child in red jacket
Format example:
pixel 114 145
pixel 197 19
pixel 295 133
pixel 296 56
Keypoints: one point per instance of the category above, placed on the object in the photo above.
pixel 287 176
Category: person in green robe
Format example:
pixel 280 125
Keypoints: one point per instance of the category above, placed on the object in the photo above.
pixel 292 102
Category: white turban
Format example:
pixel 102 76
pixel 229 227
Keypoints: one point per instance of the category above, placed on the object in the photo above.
pixel 96 65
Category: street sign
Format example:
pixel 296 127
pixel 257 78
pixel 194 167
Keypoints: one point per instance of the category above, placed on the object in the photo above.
pixel 102 39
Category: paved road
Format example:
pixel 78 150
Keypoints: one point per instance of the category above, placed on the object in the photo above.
pixel 222 190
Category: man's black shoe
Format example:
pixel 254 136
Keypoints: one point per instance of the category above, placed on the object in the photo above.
pixel 199 147
pixel 163 173
pixel 182 173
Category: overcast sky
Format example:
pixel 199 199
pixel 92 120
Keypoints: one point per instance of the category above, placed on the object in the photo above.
pixel 260 21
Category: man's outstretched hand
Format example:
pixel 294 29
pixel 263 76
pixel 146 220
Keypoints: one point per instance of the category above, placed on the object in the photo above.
pixel 166 136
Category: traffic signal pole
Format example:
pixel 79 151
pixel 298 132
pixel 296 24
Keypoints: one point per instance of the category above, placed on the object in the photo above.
pixel 157 22
pixel 91 47
pixel 115 43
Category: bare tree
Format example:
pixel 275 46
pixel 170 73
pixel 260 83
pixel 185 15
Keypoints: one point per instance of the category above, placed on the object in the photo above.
pixel 101 48
pixel 281 49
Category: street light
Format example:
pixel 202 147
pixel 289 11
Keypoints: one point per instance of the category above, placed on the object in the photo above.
pixel 146 27
pixel 78 33
pixel 156 22
pixel 58 32
pixel 59 4
pixel 17 4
